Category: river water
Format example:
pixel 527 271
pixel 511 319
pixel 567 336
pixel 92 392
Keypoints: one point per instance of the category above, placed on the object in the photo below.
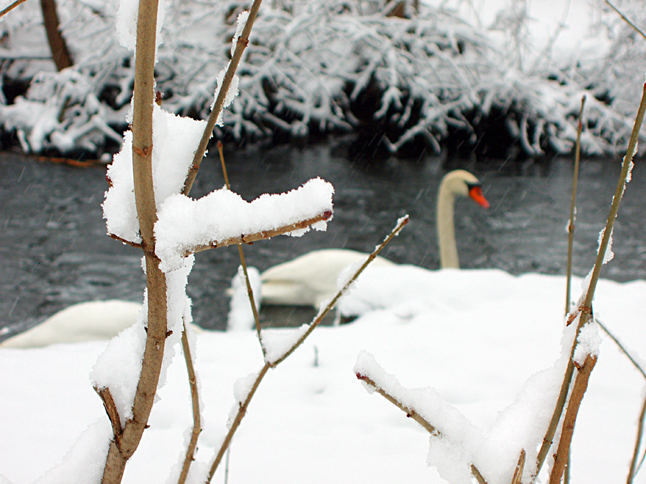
pixel 54 250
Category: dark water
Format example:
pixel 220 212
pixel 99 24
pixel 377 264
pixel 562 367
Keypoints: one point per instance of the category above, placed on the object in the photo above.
pixel 54 250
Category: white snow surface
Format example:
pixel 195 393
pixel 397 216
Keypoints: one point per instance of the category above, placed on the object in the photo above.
pixel 485 341
pixel 175 139
pixel 184 223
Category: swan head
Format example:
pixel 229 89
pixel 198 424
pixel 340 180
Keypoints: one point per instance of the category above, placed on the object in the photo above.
pixel 457 183
pixel 464 184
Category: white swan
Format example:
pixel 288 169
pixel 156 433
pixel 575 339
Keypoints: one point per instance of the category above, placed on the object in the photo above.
pixel 86 321
pixel 310 279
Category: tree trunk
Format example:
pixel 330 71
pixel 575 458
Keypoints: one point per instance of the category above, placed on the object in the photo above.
pixel 60 52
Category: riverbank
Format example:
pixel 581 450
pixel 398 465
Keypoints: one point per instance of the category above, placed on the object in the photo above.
pixel 495 81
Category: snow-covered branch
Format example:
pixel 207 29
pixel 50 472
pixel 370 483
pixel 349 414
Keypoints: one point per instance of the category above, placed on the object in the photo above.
pixel 424 406
pixel 223 218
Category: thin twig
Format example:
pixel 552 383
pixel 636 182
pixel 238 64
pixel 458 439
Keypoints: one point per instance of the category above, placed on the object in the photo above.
pixel 112 411
pixel 571 223
pixel 195 400
pixel 412 413
pixel 584 309
pixel 126 241
pixel 621 347
pixel 626 19
pixel 520 468
pixel 8 9
pixel 241 45
pixel 225 174
pixel 401 223
pixel 242 410
pixel 261 374
pixel 632 472
pixel 226 465
pixel 265 234
pixel 243 262
pixel 570 242
pixel 578 390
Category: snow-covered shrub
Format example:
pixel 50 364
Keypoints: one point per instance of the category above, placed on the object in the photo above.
pixel 60 112
pixel 341 66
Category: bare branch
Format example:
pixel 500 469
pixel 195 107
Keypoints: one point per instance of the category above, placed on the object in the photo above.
pixel 125 241
pixel 243 41
pixel 401 223
pixel 244 405
pixel 195 400
pixel 8 9
pixel 585 307
pixel 621 347
pixel 567 431
pixel 632 472
pixel 236 422
pixel 520 467
pixel 570 226
pixel 243 261
pixel 626 19
pixel 112 411
pixel 60 53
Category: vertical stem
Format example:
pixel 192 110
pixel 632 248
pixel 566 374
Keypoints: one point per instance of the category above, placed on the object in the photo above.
pixel 60 53
pixel 616 199
pixel 119 454
pixel 236 422
pixel 585 308
pixel 633 461
pixel 243 261
pixel 195 400
pixel 222 92
pixel 578 390
pixel 570 227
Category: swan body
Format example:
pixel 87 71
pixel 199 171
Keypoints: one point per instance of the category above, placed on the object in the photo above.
pixel 87 321
pixel 312 278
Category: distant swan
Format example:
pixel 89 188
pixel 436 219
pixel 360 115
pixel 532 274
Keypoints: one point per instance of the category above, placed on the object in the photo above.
pixel 86 321
pixel 310 279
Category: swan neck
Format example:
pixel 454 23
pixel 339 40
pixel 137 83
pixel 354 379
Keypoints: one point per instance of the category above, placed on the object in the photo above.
pixel 446 228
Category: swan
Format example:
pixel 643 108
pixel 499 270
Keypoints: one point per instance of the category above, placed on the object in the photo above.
pixel 86 321
pixel 311 279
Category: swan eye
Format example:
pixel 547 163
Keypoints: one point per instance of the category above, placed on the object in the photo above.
pixel 475 193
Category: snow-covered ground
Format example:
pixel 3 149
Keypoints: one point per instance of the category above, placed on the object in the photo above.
pixel 474 336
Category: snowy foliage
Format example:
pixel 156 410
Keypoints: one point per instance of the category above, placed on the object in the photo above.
pixel 328 67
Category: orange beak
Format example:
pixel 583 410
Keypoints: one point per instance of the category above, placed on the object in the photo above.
pixel 475 192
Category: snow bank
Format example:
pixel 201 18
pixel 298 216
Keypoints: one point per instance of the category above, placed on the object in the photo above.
pixel 311 420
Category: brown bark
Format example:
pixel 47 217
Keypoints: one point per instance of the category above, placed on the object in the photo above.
pixel 122 447
pixel 60 53
pixel 567 431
